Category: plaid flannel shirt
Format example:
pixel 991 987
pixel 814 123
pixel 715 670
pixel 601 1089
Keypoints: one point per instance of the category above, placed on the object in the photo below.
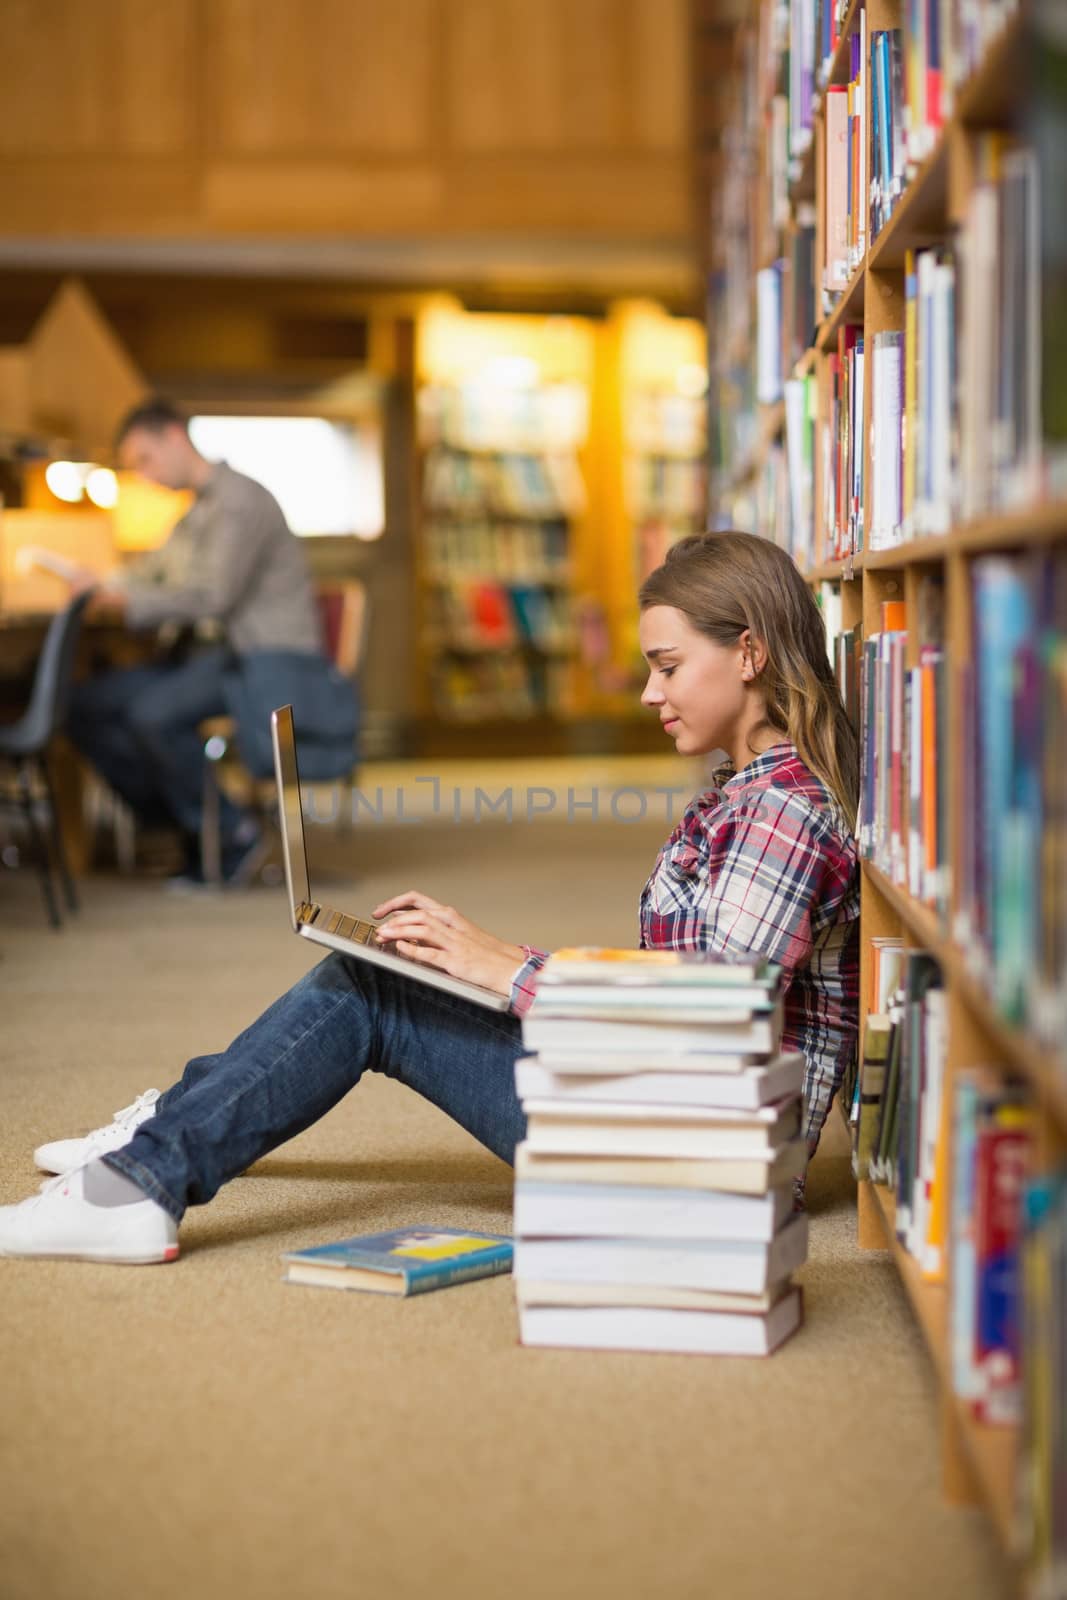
pixel 763 862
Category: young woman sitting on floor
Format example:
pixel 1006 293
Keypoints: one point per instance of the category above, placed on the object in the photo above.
pixel 764 862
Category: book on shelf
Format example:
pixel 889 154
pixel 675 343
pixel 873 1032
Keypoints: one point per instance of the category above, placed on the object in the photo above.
pixel 858 199
pixel 1043 1442
pixel 800 302
pixel 402 1261
pixel 876 1036
pixel 769 281
pixel 991 1148
pixel 999 252
pixel 801 406
pixel 887 411
pixel 835 274
pixel 886 967
pixel 543 1078
pixel 665 1329
pixel 922 110
pixel 888 156
pixel 902 817
pixel 801 57
pixel 754 1174
pixel 921 1073
pixel 844 458
pixel 1012 600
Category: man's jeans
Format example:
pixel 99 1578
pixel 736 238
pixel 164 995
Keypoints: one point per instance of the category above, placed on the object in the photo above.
pixel 138 726
pixel 345 1018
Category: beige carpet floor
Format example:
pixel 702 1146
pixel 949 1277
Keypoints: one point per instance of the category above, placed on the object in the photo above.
pixel 204 1430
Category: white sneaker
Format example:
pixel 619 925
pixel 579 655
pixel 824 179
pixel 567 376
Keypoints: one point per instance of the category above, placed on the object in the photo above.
pixel 62 1155
pixel 60 1222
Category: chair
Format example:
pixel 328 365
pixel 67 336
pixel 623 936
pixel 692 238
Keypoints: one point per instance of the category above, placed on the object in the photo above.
pixel 24 744
pixel 343 608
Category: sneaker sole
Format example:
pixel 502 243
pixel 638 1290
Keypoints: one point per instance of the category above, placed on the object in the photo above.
pixel 100 1257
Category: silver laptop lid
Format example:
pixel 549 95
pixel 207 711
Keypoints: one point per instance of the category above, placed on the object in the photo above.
pixel 289 812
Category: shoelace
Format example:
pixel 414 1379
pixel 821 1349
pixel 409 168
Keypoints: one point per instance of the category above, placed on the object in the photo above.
pixel 101 1138
pixel 52 1183
pixel 123 1118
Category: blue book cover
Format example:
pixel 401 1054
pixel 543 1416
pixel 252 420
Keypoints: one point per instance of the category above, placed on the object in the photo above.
pixel 402 1261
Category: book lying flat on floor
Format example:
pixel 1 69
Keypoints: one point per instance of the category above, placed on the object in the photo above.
pixel 402 1261
pixel 733 1175
pixel 655 1328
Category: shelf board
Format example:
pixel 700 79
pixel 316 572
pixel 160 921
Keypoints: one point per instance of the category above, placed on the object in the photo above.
pixel 992 1452
pixel 805 365
pixel 825 572
pixel 848 309
pixel 920 215
pixel 1039 1064
pixel 1025 529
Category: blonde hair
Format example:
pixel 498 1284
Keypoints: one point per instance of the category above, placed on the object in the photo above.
pixel 724 583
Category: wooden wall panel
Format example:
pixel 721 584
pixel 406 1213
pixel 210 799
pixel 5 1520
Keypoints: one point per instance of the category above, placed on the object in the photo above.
pixel 660 80
pixel 565 75
pixel 110 76
pixel 365 117
pixel 324 76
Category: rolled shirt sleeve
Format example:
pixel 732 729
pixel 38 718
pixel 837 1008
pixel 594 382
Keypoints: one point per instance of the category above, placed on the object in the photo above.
pixel 524 980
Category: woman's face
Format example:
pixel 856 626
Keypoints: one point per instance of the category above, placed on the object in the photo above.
pixel 703 691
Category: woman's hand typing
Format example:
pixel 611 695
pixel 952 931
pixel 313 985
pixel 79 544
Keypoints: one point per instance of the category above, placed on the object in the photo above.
pixel 436 935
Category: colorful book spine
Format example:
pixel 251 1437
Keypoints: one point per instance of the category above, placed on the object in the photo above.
pixel 1043 1474
pixel 1004 1137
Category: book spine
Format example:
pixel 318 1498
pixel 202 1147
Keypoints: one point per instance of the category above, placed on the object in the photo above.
pixel 420 1282
pixel 1001 1169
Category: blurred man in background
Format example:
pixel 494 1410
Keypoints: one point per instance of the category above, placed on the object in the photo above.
pixel 230 583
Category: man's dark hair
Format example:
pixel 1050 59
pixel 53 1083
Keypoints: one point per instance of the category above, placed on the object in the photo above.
pixel 154 416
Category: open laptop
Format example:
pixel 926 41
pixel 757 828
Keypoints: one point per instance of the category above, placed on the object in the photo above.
pixel 337 929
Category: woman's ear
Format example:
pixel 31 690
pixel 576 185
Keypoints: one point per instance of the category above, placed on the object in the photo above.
pixel 753 656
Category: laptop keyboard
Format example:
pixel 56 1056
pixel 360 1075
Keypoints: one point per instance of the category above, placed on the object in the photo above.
pixel 346 927
pixel 353 928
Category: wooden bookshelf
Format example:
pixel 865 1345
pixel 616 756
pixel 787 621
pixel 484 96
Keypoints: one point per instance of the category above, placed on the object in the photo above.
pixel 990 1452
pixel 1044 1067
pixel 980 1462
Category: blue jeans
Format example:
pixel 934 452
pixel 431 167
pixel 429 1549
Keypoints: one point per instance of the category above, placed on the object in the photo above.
pixel 138 726
pixel 345 1018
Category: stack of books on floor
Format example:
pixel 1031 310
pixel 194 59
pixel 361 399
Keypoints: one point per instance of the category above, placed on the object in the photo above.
pixel 654 1195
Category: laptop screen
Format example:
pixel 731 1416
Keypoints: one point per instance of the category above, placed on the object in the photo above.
pixel 292 821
